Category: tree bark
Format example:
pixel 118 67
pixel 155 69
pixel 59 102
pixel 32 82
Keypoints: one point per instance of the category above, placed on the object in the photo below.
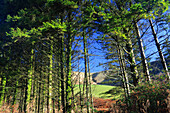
pixel 62 70
pixel 68 79
pixel 90 90
pixel 159 50
pixel 39 91
pixel 144 61
pixel 3 89
pixel 86 77
pixel 131 57
pixel 50 78
pixel 29 82
pixel 123 72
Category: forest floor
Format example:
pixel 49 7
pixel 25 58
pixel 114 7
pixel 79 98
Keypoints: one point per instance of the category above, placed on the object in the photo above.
pixel 104 105
pixel 104 97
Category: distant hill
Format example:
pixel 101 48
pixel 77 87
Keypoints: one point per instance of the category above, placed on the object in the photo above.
pixel 78 77
pixel 157 68
pixel 106 78
pixel 103 76
pixel 96 78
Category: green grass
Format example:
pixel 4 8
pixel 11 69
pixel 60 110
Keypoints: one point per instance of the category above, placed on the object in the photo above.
pixel 103 91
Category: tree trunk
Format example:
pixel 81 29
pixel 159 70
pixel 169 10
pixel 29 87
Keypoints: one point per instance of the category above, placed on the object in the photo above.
pixel 159 50
pixel 68 79
pixel 123 72
pixel 45 91
pixel 90 91
pixel 50 78
pixel 144 61
pixel 86 77
pixel 15 96
pixel 29 80
pixel 62 71
pixel 21 98
pixel 39 91
pixel 59 86
pixel 3 89
pixel 131 57
pixel 81 99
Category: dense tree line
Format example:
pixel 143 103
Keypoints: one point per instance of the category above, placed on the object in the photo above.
pixel 40 43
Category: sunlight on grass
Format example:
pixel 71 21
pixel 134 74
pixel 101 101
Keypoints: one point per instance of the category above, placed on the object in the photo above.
pixel 103 91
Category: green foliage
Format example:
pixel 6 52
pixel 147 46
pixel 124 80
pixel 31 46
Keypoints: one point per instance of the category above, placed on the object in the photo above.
pixel 68 3
pixel 150 7
pixel 137 8
pixel 54 24
pixel 48 21
pixel 17 33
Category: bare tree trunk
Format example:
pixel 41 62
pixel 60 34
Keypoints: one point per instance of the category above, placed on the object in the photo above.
pixel 79 77
pixel 123 71
pixel 159 50
pixel 124 74
pixel 144 61
pixel 86 77
pixel 90 91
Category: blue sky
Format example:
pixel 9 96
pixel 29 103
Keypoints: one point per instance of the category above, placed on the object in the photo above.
pixel 99 57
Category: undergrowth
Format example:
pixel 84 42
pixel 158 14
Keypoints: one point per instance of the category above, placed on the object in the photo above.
pixel 148 98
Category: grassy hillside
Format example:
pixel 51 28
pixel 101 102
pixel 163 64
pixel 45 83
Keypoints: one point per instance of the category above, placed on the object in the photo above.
pixel 103 91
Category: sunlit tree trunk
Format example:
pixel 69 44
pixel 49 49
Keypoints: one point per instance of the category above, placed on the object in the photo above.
pixel 3 89
pixel 144 61
pixel 33 92
pixel 50 78
pixel 62 70
pixel 159 50
pixel 68 77
pixel 5 75
pixel 36 95
pixel 29 81
pixel 5 81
